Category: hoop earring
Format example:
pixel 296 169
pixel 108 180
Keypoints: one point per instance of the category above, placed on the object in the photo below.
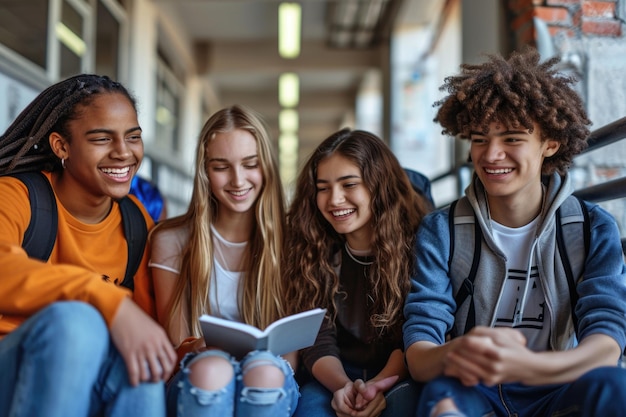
pixel 63 162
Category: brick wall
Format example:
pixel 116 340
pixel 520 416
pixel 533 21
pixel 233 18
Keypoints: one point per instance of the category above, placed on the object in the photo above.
pixel 564 17
pixel 590 38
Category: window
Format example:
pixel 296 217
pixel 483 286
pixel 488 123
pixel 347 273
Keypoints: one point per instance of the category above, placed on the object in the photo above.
pixel 72 47
pixel 24 28
pixel 56 39
pixel 108 34
pixel 168 107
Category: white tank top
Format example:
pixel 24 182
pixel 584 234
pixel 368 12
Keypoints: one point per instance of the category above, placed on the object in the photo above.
pixel 224 294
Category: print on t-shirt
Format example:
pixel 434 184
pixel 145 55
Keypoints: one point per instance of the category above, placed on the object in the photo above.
pixel 511 314
pixel 522 303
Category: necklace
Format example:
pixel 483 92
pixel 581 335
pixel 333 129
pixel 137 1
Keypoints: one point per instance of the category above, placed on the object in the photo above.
pixel 355 259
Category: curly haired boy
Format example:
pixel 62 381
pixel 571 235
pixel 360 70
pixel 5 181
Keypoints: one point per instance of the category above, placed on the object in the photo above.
pixel 524 355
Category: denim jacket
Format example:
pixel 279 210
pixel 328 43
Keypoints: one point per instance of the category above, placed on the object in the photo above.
pixel 431 312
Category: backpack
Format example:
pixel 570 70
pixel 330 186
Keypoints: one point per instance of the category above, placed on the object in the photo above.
pixel 42 230
pixel 572 226
pixel 421 184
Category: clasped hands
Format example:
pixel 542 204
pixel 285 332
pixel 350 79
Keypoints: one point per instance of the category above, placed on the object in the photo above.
pixel 362 399
pixel 488 355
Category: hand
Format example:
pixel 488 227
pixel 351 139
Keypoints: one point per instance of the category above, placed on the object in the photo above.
pixel 488 355
pixel 143 344
pixel 367 391
pixel 362 399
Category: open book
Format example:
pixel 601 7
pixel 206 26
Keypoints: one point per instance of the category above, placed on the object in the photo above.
pixel 283 336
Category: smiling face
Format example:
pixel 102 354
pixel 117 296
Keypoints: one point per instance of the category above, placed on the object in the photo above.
pixel 344 200
pixel 234 172
pixel 509 162
pixel 104 148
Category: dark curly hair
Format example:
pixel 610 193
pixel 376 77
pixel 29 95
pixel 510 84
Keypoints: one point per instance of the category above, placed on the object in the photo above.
pixel 518 92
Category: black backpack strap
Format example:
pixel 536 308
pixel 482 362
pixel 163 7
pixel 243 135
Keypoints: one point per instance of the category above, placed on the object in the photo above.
pixel 451 212
pixel 573 215
pixel 41 233
pixel 136 232
pixel 456 219
pixel 586 226
pixel 42 230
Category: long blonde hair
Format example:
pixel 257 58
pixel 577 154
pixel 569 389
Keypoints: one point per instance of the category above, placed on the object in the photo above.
pixel 260 287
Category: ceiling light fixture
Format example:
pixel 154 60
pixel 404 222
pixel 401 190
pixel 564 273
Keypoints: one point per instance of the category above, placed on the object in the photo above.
pixel 288 157
pixel 289 26
pixel 289 89
pixel 288 121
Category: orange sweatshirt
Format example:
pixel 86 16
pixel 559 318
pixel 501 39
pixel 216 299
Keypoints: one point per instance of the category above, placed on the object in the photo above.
pixel 83 254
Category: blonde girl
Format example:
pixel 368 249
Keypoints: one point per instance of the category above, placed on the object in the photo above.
pixel 222 257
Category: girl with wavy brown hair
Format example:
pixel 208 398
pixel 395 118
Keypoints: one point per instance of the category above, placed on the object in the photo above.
pixel 351 233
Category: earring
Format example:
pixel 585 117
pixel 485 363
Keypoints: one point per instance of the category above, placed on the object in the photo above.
pixel 63 162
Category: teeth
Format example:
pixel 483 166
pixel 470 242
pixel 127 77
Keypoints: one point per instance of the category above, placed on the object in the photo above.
pixel 239 193
pixel 342 212
pixel 116 172
pixel 499 171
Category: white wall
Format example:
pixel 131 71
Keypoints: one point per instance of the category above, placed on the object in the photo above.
pixel 420 62
pixel 152 28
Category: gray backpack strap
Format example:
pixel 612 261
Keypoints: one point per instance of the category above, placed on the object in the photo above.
pixel 572 226
pixel 573 233
pixel 465 246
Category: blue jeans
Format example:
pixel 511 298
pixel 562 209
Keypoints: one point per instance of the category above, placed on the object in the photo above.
pixel 61 363
pixel 315 399
pixel 186 400
pixel 600 392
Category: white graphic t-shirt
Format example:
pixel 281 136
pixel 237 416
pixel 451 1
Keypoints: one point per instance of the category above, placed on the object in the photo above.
pixel 522 302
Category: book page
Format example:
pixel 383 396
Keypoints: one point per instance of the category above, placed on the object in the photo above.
pixel 283 336
pixel 294 332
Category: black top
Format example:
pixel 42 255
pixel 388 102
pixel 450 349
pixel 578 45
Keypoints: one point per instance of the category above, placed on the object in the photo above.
pixel 351 336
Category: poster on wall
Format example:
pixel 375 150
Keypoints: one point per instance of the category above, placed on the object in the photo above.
pixel 14 97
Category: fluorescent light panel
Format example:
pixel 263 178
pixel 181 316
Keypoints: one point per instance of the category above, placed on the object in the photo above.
pixel 289 26
pixel 289 90
pixel 288 156
pixel 288 121
pixel 288 145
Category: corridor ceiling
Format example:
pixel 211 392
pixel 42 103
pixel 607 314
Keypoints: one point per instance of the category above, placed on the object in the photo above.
pixel 236 48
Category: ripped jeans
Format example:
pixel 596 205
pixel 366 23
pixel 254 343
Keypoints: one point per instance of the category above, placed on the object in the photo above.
pixel 235 399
